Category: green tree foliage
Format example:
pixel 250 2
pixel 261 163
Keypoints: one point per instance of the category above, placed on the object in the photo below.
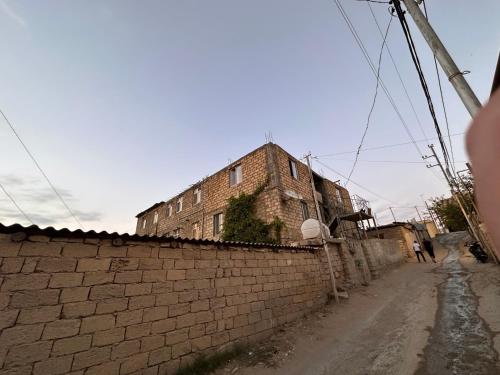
pixel 448 210
pixel 242 224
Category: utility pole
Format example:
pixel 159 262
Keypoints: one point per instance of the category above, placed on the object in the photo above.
pixel 392 212
pixel 323 234
pixel 457 195
pixel 418 213
pixel 455 75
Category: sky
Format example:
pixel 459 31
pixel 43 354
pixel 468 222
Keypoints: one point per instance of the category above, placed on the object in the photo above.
pixel 125 103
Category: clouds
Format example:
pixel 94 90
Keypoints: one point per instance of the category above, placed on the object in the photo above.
pixel 12 14
pixel 40 203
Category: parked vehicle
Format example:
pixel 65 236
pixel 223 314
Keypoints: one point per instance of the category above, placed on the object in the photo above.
pixel 478 252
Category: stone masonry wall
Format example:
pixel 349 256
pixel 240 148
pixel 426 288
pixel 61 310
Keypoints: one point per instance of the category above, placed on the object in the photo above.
pixel 88 305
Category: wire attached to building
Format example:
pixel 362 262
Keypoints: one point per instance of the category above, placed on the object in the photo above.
pixel 41 170
pixel 373 102
pixel 15 204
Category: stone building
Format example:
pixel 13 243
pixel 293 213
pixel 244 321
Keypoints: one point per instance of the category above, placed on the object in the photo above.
pixel 198 212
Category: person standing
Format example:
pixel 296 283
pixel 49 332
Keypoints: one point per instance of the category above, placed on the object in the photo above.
pixel 430 249
pixel 418 251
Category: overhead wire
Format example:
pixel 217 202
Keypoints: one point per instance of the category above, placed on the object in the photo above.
pixel 416 61
pixel 15 204
pixel 399 74
pixel 373 102
pixel 41 170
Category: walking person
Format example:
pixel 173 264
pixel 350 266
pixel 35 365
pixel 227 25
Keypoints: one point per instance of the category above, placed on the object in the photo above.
pixel 418 251
pixel 430 249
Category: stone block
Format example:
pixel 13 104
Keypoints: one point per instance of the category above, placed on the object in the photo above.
pixel 138 330
pixel 21 334
pixel 40 249
pixel 112 251
pixel 78 309
pixel 111 305
pixel 134 363
pixel 138 289
pixel 76 294
pixel 200 305
pixel 177 336
pixel 52 265
pixel 201 343
pixel 154 276
pixel 78 250
pixel 127 318
pixel 108 337
pixel 186 320
pixel 92 357
pixel 9 249
pixel 98 278
pixel 61 328
pixel 163 287
pixel 140 302
pixel 184 264
pixel 164 325
pixel 125 349
pixel 107 291
pixel 150 264
pixel 196 331
pixel 139 252
pixel 124 264
pixel 179 309
pixel 91 265
pixel 39 314
pixel 181 349
pixel 155 313
pixel 128 277
pixel 160 355
pixel 71 345
pixel 8 318
pixel 11 265
pixel 53 366
pixel 152 342
pixel 25 282
pixel 167 299
pixel 28 353
pixel 66 280
pixel 107 368
pixel 97 323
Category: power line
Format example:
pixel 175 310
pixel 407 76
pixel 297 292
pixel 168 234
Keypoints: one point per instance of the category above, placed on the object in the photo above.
pixel 15 204
pixel 360 44
pixel 393 161
pixel 373 102
pixel 442 101
pixel 41 170
pixel 399 74
pixel 384 146
pixel 375 1
pixel 416 62
pixel 355 183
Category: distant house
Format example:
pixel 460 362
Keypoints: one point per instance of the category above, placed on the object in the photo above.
pixel 406 233
pixel 198 212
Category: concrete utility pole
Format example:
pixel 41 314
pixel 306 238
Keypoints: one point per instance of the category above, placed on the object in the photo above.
pixel 392 212
pixel 455 75
pixel 323 234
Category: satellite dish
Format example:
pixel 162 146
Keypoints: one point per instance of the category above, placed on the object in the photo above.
pixel 311 228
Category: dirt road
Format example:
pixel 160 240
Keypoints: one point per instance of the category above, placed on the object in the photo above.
pixel 421 319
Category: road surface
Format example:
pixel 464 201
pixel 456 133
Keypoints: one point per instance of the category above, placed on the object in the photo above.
pixel 421 319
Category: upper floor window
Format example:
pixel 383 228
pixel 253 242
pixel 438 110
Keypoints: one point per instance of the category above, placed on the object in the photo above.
pixel 155 218
pixel 178 205
pixel 305 210
pixel 218 223
pixel 196 230
pixel 293 169
pixel 235 175
pixel 169 210
pixel 144 221
pixel 338 194
pixel 197 195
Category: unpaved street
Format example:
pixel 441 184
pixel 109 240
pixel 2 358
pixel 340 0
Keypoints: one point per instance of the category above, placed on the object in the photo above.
pixel 418 319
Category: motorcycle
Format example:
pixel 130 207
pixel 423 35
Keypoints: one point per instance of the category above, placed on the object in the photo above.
pixel 478 252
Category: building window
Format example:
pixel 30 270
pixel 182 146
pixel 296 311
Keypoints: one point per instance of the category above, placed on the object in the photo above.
pixel 339 195
pixel 235 175
pixel 305 210
pixel 293 169
pixel 176 232
pixel 196 230
pixel 197 195
pixel 144 221
pixel 218 222
pixel 178 206
pixel 169 210
pixel 155 218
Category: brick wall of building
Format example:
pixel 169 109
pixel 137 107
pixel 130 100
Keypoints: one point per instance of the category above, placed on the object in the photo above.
pixel 90 305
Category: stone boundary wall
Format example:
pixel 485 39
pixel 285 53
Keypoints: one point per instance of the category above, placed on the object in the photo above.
pixel 81 305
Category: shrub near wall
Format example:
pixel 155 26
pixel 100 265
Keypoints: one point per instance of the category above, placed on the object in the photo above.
pixel 80 305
